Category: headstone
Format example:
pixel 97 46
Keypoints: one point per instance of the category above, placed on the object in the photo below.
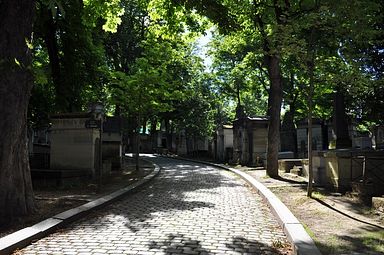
pixel 288 134
pixel 379 137
pixel 181 143
pixel 319 137
pixel 112 142
pixel 250 140
pixel 39 147
pixel 362 142
pixel 340 123
pixel 224 138
pixel 73 145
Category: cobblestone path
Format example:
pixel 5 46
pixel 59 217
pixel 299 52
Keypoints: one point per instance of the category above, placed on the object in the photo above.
pixel 188 209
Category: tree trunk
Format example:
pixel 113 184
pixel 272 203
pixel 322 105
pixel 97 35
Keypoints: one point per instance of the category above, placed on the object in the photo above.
pixel 16 193
pixel 51 43
pixel 274 108
pixel 153 133
pixel 310 131
pixel 137 142
pixel 311 69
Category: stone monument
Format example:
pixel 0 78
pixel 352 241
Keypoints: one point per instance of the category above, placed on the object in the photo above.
pixel 112 142
pixel 224 143
pixel 288 134
pixel 379 137
pixel 340 123
pixel 319 136
pixel 250 137
pixel 74 143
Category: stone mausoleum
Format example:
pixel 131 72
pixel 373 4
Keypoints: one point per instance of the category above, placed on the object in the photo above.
pixel 112 143
pixel 74 146
pixel 319 136
pixel 223 144
pixel 250 140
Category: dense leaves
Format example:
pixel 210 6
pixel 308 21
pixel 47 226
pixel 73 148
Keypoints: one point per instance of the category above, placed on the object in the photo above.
pixel 139 58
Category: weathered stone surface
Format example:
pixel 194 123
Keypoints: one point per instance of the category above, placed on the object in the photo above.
pixel 378 203
pixel 73 146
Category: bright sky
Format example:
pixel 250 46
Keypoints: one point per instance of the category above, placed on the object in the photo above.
pixel 202 51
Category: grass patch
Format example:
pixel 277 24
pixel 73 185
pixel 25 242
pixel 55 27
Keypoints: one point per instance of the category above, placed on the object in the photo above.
pixel 309 231
pixel 300 201
pixel 318 195
pixel 332 245
pixel 374 240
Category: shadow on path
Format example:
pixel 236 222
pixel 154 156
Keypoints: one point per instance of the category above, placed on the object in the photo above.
pixel 170 192
pixel 178 244
pixel 188 208
pixel 243 245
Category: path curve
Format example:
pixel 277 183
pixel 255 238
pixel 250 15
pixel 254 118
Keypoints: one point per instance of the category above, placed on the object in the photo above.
pixel 190 208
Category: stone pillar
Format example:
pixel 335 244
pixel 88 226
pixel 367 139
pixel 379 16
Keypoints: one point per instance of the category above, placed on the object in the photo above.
pixel 288 136
pixel 340 123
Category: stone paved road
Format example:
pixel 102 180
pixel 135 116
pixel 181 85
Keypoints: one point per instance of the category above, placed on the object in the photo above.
pixel 188 209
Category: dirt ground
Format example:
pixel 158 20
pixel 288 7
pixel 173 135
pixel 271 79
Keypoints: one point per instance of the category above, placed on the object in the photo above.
pixel 53 200
pixel 338 224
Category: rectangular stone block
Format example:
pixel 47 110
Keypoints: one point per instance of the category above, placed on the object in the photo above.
pixel 378 203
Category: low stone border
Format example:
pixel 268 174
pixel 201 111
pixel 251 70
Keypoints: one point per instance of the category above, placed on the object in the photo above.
pixel 301 242
pixel 24 237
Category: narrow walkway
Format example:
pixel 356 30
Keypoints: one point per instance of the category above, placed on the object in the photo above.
pixel 188 209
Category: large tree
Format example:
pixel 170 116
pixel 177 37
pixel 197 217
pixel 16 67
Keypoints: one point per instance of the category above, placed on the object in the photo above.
pixel 71 34
pixel 16 194
pixel 16 79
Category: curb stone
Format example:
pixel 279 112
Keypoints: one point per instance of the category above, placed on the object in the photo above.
pixel 25 236
pixel 301 242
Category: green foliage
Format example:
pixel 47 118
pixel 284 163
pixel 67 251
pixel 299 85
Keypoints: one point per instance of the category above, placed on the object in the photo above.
pixel 154 75
pixel 148 65
pixel 110 11
pixel 195 116
pixel 39 110
pixel 71 33
pixel 172 21
pixel 236 77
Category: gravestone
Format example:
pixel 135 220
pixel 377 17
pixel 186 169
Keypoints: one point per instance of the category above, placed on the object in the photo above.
pixel 113 142
pixel 224 147
pixel 74 142
pixel 181 143
pixel 340 123
pixel 362 142
pixel 288 134
pixel 379 137
pixel 39 147
pixel 319 136
pixel 250 140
